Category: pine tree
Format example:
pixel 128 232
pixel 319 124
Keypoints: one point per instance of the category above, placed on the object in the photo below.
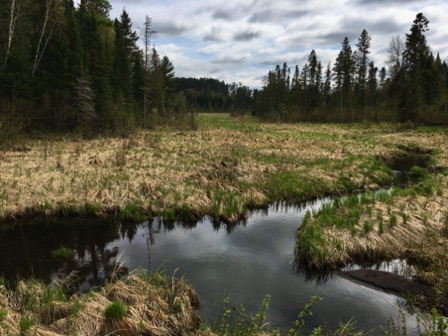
pixel 125 47
pixel 363 51
pixel 168 74
pixel 343 72
pixel 326 91
pixel 372 84
pixel 415 57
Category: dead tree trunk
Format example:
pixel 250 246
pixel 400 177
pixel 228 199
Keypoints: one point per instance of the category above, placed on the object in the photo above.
pixel 15 9
pixel 42 45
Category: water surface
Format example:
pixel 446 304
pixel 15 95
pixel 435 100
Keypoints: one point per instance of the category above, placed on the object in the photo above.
pixel 246 263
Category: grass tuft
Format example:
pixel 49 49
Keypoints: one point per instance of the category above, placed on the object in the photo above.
pixel 114 312
pixel 25 323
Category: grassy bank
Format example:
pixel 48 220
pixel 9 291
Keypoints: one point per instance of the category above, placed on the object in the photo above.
pixel 138 305
pixel 411 223
pixel 143 304
pixel 226 167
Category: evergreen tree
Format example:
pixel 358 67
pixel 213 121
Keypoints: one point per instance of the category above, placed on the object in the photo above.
pixel 326 91
pixel 372 84
pixel 343 71
pixel 125 47
pixel 415 57
pixel 363 51
pixel 167 69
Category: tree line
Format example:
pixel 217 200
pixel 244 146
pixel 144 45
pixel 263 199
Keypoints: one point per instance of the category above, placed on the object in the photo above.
pixel 414 89
pixel 213 95
pixel 68 68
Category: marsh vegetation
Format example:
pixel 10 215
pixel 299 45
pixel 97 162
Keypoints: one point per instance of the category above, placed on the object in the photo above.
pixel 232 165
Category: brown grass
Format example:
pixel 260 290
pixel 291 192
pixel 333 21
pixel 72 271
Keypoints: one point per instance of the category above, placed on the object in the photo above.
pixel 399 238
pixel 415 227
pixel 154 307
pixel 189 171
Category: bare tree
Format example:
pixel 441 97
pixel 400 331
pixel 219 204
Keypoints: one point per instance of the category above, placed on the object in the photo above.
pixel 42 45
pixel 147 34
pixel 147 31
pixel 14 13
pixel 395 51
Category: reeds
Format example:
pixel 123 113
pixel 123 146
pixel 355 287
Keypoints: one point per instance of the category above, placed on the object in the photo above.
pixel 225 167
pixel 138 305
pixel 400 223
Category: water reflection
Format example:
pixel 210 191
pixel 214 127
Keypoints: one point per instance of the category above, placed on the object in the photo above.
pixel 27 249
pixel 397 266
pixel 245 261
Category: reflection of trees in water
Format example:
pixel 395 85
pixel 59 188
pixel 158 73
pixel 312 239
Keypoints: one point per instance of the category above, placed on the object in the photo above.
pixel 320 277
pixel 27 247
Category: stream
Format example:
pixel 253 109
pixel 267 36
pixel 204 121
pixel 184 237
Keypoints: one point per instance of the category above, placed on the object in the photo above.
pixel 246 262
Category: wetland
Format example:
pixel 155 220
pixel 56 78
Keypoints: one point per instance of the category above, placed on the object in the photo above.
pixel 188 200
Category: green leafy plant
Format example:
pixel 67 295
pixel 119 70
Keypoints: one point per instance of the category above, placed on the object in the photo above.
pixel 307 311
pixel 243 324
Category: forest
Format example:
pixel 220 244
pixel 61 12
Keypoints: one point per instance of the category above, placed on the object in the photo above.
pixel 413 89
pixel 67 68
pixel 70 68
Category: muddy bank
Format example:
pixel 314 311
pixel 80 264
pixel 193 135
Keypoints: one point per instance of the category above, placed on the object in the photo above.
pixel 425 295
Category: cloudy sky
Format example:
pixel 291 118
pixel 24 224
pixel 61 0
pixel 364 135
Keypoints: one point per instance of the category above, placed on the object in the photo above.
pixel 241 40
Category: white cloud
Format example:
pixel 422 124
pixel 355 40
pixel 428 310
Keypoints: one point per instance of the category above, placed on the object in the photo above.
pixel 241 40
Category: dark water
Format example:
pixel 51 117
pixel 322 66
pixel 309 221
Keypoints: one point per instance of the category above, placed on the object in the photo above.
pixel 246 263
pixel 402 166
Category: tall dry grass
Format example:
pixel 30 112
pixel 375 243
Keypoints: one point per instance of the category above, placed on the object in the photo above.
pixel 223 168
pixel 154 306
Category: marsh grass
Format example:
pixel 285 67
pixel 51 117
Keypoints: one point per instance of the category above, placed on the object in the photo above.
pixel 25 323
pixel 152 304
pixel 221 169
pixel 348 229
pixel 116 311
pixel 140 303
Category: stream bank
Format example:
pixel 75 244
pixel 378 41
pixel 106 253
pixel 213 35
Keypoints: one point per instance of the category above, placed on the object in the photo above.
pixel 409 221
